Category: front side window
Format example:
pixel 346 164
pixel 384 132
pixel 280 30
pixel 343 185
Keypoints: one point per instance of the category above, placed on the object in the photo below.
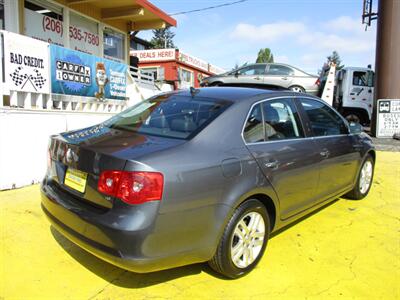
pixel 281 120
pixel 254 129
pixel 323 119
pixel 169 116
pixel 360 78
pixel 280 70
pixel 252 70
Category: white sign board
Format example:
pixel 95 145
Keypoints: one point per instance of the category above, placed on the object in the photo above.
pixel 388 119
pixel 193 61
pixel 215 70
pixel 154 55
pixel 26 64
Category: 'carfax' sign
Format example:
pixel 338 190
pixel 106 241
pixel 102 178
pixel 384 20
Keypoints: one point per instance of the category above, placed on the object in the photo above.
pixel 81 74
pixel 388 118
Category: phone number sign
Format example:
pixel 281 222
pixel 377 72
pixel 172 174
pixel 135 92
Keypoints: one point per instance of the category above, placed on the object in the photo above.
pixel 51 30
pixel 388 119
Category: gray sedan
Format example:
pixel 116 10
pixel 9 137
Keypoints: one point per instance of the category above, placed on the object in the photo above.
pixel 267 75
pixel 201 175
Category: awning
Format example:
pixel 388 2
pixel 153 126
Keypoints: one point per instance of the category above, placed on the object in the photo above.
pixel 131 15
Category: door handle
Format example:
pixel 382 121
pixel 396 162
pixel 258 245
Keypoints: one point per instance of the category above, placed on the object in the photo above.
pixel 271 164
pixel 257 78
pixel 324 153
pixel 284 78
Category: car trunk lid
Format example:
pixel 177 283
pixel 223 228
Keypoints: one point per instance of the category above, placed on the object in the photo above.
pixel 79 157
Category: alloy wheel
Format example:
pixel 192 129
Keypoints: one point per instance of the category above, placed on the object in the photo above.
pixel 365 177
pixel 247 240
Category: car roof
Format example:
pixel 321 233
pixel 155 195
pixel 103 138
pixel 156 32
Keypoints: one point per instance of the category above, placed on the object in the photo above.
pixel 234 94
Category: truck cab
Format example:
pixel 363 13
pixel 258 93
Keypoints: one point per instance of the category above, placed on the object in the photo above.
pixel 354 92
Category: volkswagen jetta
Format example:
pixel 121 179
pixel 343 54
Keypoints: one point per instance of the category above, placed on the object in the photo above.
pixel 201 175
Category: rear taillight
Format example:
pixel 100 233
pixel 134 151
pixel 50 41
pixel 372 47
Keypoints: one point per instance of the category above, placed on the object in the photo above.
pixel 317 82
pixel 48 159
pixel 132 187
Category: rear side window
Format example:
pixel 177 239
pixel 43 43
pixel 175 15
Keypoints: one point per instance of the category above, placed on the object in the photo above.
pixel 281 120
pixel 280 70
pixel 273 120
pixel 169 116
pixel 323 119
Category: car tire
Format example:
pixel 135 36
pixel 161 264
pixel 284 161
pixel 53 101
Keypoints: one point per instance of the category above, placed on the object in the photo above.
pixel 297 89
pixel 357 117
pixel 249 243
pixel 364 180
pixel 216 83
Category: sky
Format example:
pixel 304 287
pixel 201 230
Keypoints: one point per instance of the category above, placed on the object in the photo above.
pixel 301 33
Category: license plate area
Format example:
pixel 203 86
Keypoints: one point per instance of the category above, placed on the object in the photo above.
pixel 75 180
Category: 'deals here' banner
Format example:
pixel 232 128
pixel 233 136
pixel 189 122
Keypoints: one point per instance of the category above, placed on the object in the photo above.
pixel 81 74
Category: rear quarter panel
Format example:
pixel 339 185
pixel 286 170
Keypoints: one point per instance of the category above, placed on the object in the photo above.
pixel 201 192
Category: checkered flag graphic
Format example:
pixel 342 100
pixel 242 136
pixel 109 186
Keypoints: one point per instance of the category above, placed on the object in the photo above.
pixel 18 78
pixel 39 80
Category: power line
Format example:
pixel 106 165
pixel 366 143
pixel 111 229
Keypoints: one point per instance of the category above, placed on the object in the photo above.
pixel 207 8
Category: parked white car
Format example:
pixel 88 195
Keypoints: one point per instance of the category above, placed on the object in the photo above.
pixel 272 75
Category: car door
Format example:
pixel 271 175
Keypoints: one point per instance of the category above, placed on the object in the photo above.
pixel 361 91
pixel 338 153
pixel 279 75
pixel 248 75
pixel 275 137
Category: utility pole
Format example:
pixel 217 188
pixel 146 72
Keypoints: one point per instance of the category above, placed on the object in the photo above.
pixel 387 61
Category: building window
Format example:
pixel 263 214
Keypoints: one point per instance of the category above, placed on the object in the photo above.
pixel 150 71
pixel 44 21
pixel 186 79
pixel 1 14
pixel 114 44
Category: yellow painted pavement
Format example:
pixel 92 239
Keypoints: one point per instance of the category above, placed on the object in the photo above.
pixel 348 250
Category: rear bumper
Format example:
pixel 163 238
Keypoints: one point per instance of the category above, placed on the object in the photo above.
pixel 312 92
pixel 120 241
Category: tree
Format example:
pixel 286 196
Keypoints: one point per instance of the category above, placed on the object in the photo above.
pixel 265 56
pixel 163 38
pixel 335 57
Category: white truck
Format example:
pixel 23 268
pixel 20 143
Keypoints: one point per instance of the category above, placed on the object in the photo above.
pixel 352 93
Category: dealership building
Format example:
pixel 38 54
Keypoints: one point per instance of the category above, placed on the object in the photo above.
pixel 175 67
pixel 65 65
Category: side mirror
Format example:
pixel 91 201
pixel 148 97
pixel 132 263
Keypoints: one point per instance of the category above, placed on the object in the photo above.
pixel 237 74
pixel 355 128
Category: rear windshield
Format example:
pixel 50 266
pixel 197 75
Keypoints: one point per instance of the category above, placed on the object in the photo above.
pixel 172 116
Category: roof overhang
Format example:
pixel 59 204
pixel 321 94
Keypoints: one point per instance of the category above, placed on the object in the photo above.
pixel 132 15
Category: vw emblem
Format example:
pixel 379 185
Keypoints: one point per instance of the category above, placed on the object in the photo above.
pixel 71 156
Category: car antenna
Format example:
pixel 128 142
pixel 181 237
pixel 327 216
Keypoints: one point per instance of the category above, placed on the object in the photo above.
pixel 194 91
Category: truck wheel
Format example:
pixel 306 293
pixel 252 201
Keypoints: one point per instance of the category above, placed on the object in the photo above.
pixel 353 117
pixel 244 240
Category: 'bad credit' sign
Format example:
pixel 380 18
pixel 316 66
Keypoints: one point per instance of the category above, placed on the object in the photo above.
pixel 26 67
